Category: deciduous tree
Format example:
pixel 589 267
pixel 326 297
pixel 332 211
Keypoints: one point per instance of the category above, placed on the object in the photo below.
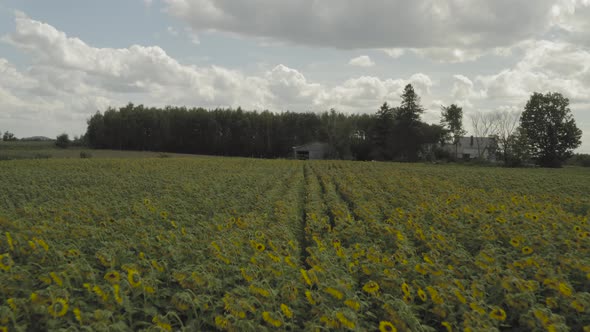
pixel 550 128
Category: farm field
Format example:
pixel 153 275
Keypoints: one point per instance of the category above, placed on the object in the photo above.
pixel 232 244
pixel 47 150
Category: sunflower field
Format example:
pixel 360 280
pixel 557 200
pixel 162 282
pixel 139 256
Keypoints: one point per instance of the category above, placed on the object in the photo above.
pixel 232 244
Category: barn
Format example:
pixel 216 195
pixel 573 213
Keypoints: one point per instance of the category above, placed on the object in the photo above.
pixel 314 150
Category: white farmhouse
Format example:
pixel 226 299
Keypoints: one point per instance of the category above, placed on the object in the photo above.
pixel 473 147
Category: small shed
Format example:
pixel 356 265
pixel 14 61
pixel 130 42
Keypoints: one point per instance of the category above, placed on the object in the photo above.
pixel 314 150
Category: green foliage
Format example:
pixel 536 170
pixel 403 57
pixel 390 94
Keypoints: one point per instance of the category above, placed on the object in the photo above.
pixel 550 129
pixel 270 135
pixel 231 132
pixel 85 155
pixel 452 121
pixel 410 110
pixel 235 244
pixel 516 151
pixel 63 141
pixel 8 137
pixel 579 159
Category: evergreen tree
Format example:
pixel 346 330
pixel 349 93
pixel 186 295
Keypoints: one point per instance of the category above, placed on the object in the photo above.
pixel 452 121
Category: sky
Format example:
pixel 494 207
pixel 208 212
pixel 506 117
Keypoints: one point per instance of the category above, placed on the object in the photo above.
pixel 63 60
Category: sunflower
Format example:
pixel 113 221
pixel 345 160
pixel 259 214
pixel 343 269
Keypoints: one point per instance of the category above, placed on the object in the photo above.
pixel 345 321
pixel 352 304
pixel 515 242
pixel 58 308
pixel 579 306
pixel 422 295
pixel 527 250
pixel 134 278
pixel 334 292
pixel 420 269
pixel 9 241
pixel 113 277
pixel 371 287
pixel 565 289
pixel 448 326
pixel 56 278
pixel 310 298
pixel 551 302
pixel 385 326
pixel 270 320
pixel 406 288
pixel 498 314
pixel 260 247
pixel 6 262
pixel 407 298
pixel 78 314
pixel 336 243
pixel 286 311
pixel 305 276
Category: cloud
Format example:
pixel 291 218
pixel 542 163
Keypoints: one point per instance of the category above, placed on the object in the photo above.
pixel 570 17
pixel 68 80
pixel 545 66
pixel 193 36
pixel 449 55
pixel 364 94
pixel 172 31
pixel 394 52
pixel 377 24
pixel 464 91
pixel 362 61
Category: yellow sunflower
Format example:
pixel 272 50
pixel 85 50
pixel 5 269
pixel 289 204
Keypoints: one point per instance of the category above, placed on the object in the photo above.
pixel 353 304
pixel 448 326
pixel 422 295
pixel 498 314
pixel 406 288
pixel 565 289
pixel 113 277
pixel 579 306
pixel 6 262
pixel 371 287
pixel 385 326
pixel 286 311
pixel 134 278
pixel 515 242
pixel 527 250
pixel 58 308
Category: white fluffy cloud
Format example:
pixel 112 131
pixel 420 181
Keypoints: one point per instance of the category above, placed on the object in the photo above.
pixel 362 61
pixel 545 66
pixel 69 80
pixel 377 24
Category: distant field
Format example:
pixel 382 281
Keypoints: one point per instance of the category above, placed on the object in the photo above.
pixel 232 244
pixel 46 150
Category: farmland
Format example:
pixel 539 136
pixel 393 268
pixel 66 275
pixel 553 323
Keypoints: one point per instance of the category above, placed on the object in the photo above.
pixel 251 245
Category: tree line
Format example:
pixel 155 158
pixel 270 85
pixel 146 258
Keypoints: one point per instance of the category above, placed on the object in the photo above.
pixel 544 133
pixel 394 133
